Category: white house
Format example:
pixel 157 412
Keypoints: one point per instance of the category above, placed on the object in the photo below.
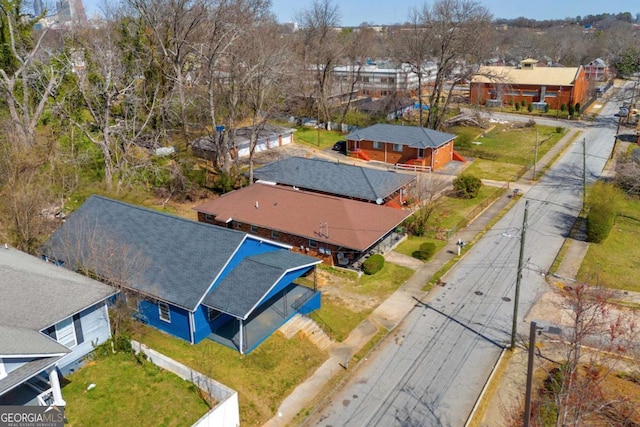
pixel 50 318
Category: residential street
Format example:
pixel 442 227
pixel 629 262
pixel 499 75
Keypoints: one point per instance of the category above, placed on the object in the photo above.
pixel 431 369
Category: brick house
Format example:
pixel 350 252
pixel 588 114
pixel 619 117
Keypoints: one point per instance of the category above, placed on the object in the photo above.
pixel 540 86
pixel 407 147
pixel 337 230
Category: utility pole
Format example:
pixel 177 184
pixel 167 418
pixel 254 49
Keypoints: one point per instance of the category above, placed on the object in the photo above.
pixel 584 173
pixel 514 328
pixel 535 157
pixel 533 330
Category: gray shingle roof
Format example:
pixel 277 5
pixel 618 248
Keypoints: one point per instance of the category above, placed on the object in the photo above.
pixel 412 136
pixel 244 287
pixel 35 294
pixel 16 341
pixel 26 371
pixel 163 256
pixel 334 178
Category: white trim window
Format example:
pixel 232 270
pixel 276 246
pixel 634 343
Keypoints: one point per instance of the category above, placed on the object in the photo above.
pixel 397 148
pixel 377 145
pixel 163 312
pixel 66 333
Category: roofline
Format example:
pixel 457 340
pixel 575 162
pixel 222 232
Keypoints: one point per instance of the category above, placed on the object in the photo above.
pixel 215 279
pixel 257 304
pixel 11 355
pixel 82 309
pixel 273 242
pixel 8 389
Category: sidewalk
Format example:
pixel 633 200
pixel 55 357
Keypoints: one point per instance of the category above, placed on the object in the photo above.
pixel 395 308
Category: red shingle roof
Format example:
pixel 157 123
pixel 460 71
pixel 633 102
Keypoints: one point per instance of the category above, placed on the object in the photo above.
pixel 351 224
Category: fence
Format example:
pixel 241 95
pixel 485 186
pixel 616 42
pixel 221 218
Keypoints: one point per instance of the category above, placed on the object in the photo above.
pixel 477 210
pixel 226 413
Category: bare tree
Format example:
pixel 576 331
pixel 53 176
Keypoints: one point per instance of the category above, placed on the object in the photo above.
pixel 113 91
pixel 459 33
pixel 318 50
pixel 411 46
pixel 28 75
pixel 425 197
pixel 265 69
pixel 177 28
pixel 595 339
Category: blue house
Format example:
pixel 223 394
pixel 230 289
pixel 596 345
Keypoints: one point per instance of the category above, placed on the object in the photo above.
pixel 50 318
pixel 190 279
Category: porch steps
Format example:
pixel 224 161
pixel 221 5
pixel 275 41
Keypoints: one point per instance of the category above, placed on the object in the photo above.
pixel 309 329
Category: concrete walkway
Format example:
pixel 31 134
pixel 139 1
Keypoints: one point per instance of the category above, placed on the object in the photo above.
pixel 393 310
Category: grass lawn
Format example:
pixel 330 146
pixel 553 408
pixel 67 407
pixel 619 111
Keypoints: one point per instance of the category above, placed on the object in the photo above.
pixel 128 393
pixel 262 378
pixel 449 213
pixel 503 152
pixel 309 136
pixel 355 297
pixel 615 262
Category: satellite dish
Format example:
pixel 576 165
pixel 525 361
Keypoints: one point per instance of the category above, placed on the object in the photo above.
pixel 379 201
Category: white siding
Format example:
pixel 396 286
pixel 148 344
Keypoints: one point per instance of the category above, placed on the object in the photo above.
pixel 11 364
pixel 95 331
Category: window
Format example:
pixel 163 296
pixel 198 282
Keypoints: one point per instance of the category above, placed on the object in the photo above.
pixel 163 310
pixel 313 243
pixel 275 234
pixel 3 371
pixel 365 79
pixel 377 145
pixel 420 153
pixel 397 147
pixel 254 229
pixel 212 314
pixel 65 333
pixel 208 217
pixel 237 225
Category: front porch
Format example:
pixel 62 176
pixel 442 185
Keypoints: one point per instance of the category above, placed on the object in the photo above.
pixel 266 318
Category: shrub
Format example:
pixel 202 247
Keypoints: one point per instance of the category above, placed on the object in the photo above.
pixel 427 250
pixel 559 129
pixel 373 264
pixel 524 102
pixel 517 107
pixel 467 186
pixel 546 108
pixel 577 107
pixel 599 223
pixel 530 108
pixel 572 110
pixel 511 102
pixel 563 107
pixel 604 201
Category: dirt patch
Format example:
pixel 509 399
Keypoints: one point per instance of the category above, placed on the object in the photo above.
pixel 340 290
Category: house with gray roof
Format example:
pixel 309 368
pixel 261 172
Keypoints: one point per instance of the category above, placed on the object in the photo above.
pixel 338 178
pixel 192 280
pixel 50 319
pixel 407 147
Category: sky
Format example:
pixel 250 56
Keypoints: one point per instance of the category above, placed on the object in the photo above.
pixel 381 12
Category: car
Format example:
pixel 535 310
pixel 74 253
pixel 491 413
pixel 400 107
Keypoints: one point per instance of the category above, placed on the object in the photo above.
pixel 340 146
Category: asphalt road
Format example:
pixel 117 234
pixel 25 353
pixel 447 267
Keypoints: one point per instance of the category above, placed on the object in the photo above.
pixel 432 368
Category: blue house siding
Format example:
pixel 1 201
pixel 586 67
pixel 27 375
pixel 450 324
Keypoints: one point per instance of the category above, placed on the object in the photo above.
pixel 94 330
pixel 179 325
pixel 202 326
pixel 285 281
pixel 249 247
pixel 312 304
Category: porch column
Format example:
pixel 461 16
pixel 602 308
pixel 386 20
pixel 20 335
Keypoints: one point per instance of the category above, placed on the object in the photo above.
pixel 55 387
pixel 241 337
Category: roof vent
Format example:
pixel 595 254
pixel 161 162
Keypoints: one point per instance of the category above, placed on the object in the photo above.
pixel 257 206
